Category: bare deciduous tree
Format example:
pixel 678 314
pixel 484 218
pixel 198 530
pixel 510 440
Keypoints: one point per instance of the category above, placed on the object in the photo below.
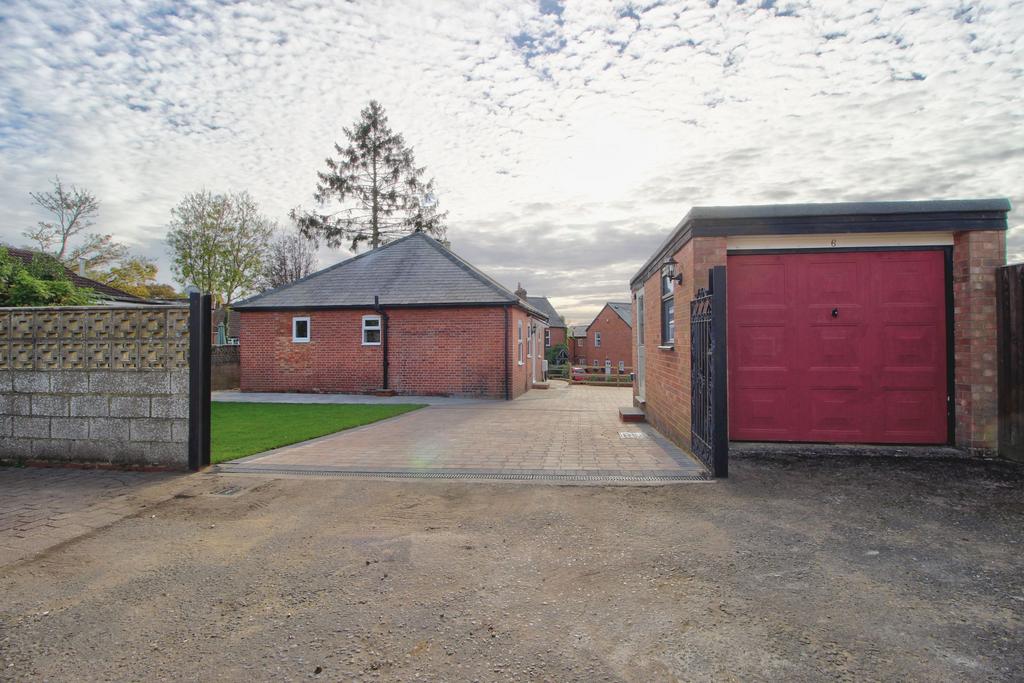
pixel 290 257
pixel 74 211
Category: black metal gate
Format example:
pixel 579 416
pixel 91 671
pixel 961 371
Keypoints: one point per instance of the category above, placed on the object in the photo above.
pixel 709 404
pixel 200 337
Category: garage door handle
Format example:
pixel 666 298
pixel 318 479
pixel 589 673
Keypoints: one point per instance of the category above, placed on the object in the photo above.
pixel 835 312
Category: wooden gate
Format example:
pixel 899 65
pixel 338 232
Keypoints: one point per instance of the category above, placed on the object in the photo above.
pixel 709 400
pixel 1010 296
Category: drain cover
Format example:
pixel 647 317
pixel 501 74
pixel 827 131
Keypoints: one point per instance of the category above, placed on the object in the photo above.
pixel 228 491
pixel 632 435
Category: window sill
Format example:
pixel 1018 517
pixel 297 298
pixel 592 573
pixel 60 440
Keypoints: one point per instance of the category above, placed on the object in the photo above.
pixel 522 363
pixel 667 347
pixel 300 341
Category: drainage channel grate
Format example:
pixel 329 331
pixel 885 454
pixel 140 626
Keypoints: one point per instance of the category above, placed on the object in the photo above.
pixel 228 491
pixel 499 476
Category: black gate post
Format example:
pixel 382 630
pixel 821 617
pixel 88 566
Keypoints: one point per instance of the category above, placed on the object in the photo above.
pixel 199 341
pixel 709 381
pixel 720 447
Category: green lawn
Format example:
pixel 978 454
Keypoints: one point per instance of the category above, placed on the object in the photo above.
pixel 240 429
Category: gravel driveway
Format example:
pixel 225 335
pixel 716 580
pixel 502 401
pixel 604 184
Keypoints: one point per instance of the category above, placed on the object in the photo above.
pixel 793 569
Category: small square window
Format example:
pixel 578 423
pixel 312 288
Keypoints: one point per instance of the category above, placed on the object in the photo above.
pixel 371 330
pixel 300 330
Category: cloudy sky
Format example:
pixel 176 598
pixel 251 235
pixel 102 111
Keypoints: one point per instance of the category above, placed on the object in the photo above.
pixel 566 138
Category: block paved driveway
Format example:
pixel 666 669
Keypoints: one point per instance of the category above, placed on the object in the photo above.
pixel 565 431
pixel 44 507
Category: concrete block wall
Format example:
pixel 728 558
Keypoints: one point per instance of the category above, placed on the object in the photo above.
pixel 94 385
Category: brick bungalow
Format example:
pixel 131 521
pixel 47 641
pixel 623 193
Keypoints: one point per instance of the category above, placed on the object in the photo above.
pixel 609 339
pixel 555 332
pixel 868 322
pixel 410 317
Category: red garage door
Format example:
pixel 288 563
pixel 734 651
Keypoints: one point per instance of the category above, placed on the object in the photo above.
pixel 838 347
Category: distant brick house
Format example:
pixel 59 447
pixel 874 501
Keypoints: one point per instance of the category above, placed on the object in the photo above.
pixel 410 317
pixel 609 339
pixel 554 333
pixel 868 322
pixel 577 344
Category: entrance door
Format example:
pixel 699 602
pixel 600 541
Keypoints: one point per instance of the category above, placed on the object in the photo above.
pixel 838 347
pixel 640 345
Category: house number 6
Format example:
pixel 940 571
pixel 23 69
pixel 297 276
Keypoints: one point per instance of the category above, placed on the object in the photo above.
pixel 833 243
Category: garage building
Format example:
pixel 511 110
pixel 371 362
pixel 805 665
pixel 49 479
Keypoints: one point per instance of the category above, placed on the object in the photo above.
pixel 869 323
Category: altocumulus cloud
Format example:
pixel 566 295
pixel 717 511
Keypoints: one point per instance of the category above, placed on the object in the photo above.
pixel 566 138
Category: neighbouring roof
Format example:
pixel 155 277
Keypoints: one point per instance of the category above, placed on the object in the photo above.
pixel 542 304
pixel 103 290
pixel 415 270
pixel 578 330
pixel 623 309
pixel 837 217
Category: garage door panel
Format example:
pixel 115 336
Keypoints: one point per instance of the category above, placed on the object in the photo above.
pixel 763 413
pixel 843 347
pixel 912 346
pixel 836 415
pixel 835 347
pixel 765 281
pixel 913 416
pixel 912 314
pixel 761 346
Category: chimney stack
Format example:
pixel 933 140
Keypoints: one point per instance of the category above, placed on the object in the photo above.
pixel 81 267
pixel 520 292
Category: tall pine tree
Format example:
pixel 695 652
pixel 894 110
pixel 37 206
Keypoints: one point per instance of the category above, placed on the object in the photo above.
pixel 379 192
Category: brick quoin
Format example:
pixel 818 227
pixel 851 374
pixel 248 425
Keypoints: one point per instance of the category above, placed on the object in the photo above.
pixel 976 255
pixel 616 341
pixel 451 351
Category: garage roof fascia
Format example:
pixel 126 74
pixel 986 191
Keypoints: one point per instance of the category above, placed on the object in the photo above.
pixel 955 215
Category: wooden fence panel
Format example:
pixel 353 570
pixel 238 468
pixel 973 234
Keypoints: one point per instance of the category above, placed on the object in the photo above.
pixel 1010 295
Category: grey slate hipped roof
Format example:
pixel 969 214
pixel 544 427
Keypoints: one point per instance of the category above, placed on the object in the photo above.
pixel 415 270
pixel 624 310
pixel 542 304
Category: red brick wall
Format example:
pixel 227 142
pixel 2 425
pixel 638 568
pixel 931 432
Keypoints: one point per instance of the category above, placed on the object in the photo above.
pixel 456 351
pixel 976 255
pixel 521 374
pixel 667 387
pixel 577 351
pixel 616 341
pixel 557 337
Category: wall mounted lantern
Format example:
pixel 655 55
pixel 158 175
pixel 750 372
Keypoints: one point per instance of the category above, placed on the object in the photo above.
pixel 668 270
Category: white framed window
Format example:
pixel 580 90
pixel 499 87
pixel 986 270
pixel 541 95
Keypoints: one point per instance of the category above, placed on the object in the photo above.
pixel 547 337
pixel 371 330
pixel 622 366
pixel 529 338
pixel 300 330
pixel 519 344
pixel 597 339
pixel 596 364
